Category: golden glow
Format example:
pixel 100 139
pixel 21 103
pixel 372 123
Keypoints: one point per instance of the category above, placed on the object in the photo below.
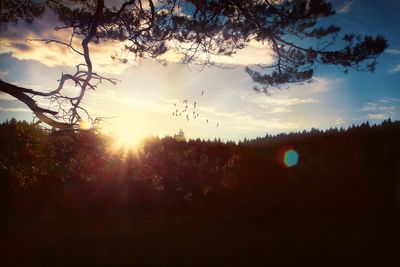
pixel 125 139
pixel 85 125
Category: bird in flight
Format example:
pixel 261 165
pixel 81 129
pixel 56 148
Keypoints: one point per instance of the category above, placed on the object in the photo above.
pixel 187 109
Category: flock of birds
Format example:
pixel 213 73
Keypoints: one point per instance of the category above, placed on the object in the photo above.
pixel 186 110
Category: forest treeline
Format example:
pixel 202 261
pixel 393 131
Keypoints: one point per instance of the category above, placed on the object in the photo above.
pixel 67 198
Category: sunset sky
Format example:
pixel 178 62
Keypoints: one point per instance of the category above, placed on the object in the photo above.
pixel 143 102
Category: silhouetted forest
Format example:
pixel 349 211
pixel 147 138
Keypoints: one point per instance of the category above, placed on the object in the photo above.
pixel 67 200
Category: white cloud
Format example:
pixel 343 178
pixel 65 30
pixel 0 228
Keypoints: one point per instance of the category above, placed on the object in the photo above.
pixel 55 55
pixel 393 51
pixel 160 106
pixel 241 121
pixel 254 53
pixel 277 103
pixel 377 116
pixel 323 84
pixel 345 8
pixel 157 113
pixel 3 74
pixel 382 108
pixel 339 121
pixel 237 121
pixel 279 110
pixel 14 38
pixel 384 104
pixel 389 100
pixel 378 106
pixel 7 97
pixel 15 109
pixel 396 69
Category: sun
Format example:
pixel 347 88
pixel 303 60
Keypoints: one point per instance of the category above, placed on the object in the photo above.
pixel 127 140
pixel 85 125
pixel 124 139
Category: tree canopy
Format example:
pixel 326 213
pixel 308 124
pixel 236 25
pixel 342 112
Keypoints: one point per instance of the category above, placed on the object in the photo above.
pixel 196 30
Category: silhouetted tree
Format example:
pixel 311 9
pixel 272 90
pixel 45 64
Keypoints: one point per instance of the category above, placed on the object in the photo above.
pixel 68 188
pixel 196 30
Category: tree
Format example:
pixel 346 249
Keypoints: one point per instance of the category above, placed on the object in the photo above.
pixel 197 30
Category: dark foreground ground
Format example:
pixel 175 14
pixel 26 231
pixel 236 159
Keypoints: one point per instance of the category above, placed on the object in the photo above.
pixel 66 201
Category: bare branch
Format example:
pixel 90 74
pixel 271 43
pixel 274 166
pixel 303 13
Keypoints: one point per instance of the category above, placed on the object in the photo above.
pixel 19 93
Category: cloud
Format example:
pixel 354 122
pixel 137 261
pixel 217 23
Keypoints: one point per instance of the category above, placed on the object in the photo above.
pixel 156 112
pixel 389 100
pixel 131 102
pixel 345 8
pixel 382 108
pixel 375 106
pixel 15 109
pixel 396 69
pixel 339 121
pixel 377 116
pixel 56 55
pixel 276 104
pixel 254 53
pixel 3 74
pixel 283 102
pixel 393 51
pixel 14 41
pixel 7 97
pixel 21 46
pixel 323 84
pixel 241 121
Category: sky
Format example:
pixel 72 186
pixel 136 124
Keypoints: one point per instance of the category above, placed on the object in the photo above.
pixel 143 101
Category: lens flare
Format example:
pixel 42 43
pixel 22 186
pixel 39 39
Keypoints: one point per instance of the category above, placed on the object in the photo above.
pixel 85 125
pixel 287 156
pixel 291 158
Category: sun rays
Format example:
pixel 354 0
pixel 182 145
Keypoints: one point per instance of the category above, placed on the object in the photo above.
pixel 125 139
